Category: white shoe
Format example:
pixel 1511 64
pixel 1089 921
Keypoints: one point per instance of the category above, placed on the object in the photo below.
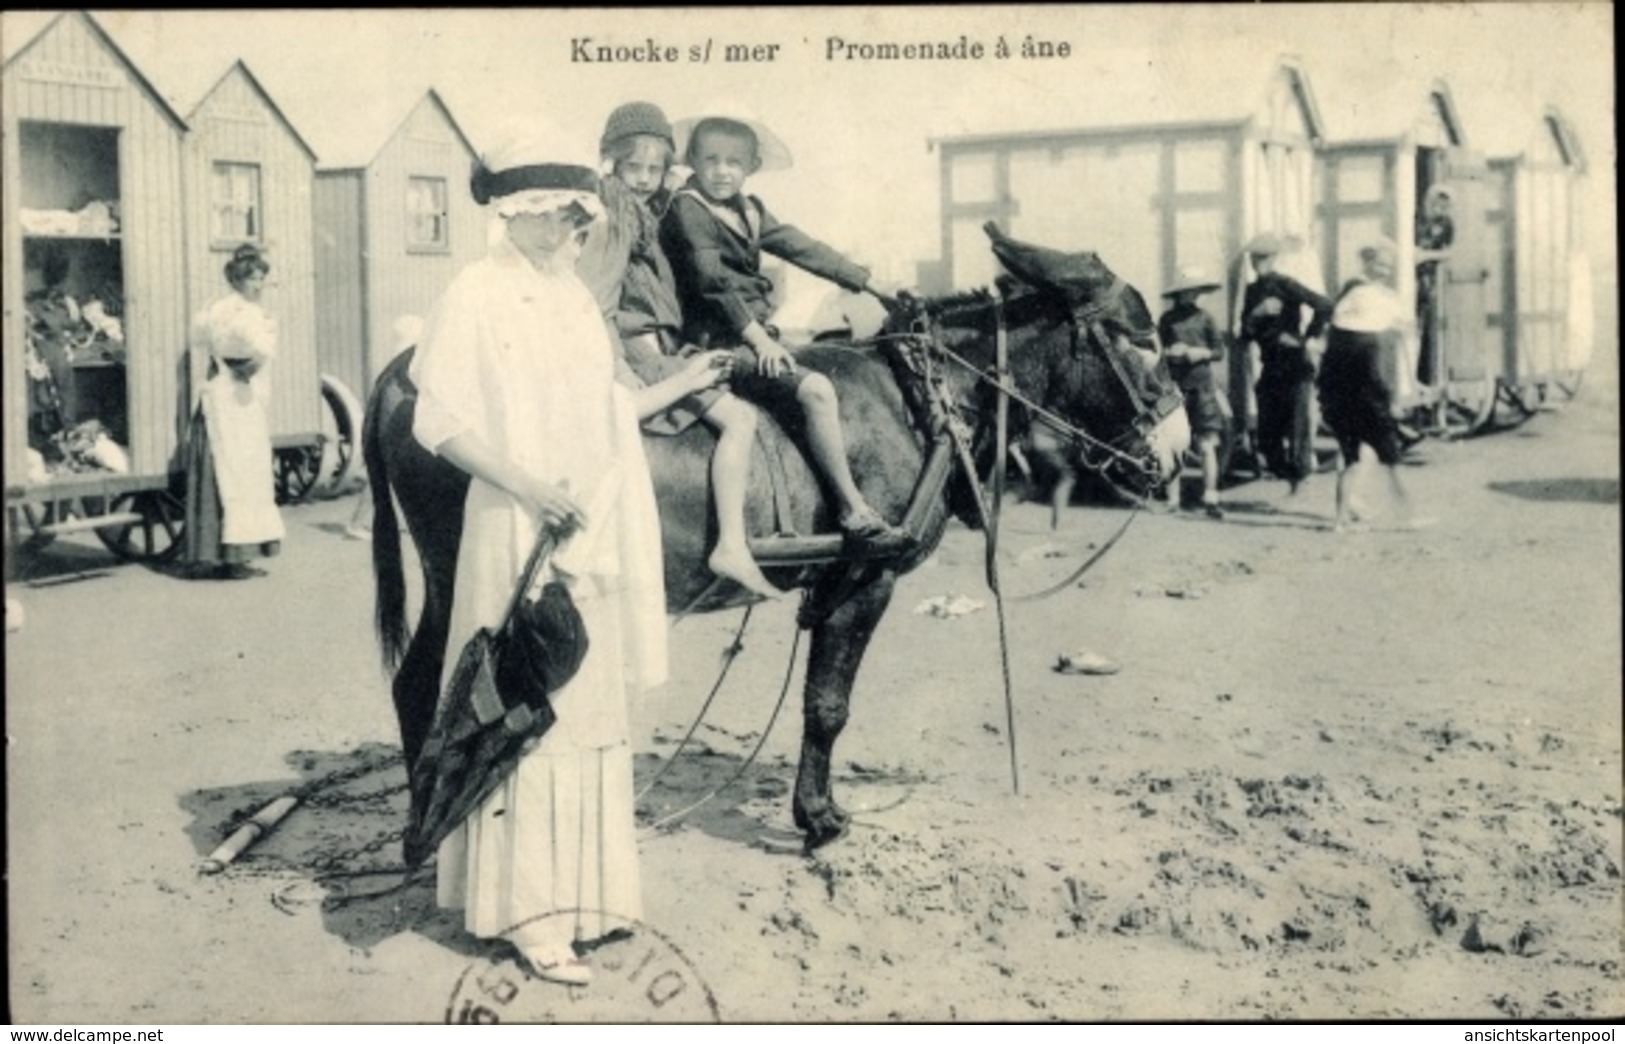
pixel 556 965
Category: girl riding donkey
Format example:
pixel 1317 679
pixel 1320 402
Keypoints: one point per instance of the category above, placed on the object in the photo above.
pixel 637 149
pixel 714 235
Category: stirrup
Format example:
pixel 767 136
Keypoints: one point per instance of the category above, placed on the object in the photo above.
pixel 868 529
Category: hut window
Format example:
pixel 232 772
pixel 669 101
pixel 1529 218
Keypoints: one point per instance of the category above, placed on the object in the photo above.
pixel 426 217
pixel 235 204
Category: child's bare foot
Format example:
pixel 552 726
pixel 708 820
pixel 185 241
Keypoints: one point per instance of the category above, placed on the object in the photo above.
pixel 864 526
pixel 741 568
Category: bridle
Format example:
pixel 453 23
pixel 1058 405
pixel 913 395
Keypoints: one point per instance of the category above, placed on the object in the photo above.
pixel 923 344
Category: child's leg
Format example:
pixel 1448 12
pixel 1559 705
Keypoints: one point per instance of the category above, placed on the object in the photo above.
pixel 1345 487
pixel 1401 498
pixel 823 410
pixel 1208 445
pixel 735 421
pixel 360 526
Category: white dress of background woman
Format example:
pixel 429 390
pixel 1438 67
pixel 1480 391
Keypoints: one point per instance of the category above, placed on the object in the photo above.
pixel 240 337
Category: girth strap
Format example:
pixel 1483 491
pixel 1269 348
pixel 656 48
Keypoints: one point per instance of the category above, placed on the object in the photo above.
pixel 782 524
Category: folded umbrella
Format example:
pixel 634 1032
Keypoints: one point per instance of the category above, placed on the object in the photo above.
pixel 495 706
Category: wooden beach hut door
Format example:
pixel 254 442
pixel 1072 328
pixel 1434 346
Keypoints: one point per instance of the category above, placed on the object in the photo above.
pixel 1470 351
pixel 1358 202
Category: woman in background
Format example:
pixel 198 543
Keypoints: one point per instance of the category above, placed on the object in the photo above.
pixel 231 512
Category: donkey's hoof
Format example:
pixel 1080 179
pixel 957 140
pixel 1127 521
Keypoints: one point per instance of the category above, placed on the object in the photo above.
pixel 833 813
pixel 825 833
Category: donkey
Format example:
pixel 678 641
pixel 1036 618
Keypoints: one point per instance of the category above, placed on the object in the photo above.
pixel 1055 363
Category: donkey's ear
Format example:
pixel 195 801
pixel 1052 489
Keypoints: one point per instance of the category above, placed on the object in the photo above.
pixel 994 232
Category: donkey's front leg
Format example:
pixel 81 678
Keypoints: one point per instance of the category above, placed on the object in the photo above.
pixel 838 644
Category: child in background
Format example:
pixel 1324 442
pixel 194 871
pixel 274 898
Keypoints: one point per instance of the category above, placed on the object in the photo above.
pixel 638 149
pixel 1355 401
pixel 1192 343
pixel 714 235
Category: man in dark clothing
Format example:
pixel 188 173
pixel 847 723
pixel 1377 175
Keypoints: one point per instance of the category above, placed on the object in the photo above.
pixel 1272 317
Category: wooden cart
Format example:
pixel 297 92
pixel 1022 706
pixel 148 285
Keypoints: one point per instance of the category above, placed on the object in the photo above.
pixel 120 215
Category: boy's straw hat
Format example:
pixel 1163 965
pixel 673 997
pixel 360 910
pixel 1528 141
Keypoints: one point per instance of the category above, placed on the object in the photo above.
pixel 1266 244
pixel 1192 279
pixel 770 148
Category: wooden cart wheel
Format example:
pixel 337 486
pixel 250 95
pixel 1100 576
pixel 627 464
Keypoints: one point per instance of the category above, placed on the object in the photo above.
pixel 1516 403
pixel 1468 408
pixel 341 426
pixel 297 468
pixel 158 537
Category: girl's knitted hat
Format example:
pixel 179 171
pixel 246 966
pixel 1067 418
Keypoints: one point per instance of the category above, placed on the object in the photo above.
pixel 637 117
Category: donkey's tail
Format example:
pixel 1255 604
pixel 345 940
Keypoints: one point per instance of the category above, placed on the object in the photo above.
pixel 389 578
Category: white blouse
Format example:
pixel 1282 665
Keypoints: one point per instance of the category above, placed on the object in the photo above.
pixel 522 360
pixel 236 328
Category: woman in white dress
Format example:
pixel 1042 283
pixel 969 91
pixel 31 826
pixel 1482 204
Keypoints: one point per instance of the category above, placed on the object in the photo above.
pixel 231 512
pixel 515 377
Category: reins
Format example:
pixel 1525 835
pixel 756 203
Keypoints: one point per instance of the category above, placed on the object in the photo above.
pixel 729 655
pixel 947 428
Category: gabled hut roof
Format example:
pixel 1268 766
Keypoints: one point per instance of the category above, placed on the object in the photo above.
pixel 1376 105
pixel 198 97
pixel 1513 127
pixel 22 30
pixel 351 135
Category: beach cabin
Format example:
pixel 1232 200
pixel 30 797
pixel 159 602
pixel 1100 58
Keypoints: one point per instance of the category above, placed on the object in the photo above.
pixel 1401 145
pixel 95 276
pixel 250 178
pixel 394 222
pixel 1185 169
pixel 1539 317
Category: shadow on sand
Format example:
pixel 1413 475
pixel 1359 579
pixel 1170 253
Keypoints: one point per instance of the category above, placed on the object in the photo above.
pixel 1562 490
pixel 52 563
pixel 339 849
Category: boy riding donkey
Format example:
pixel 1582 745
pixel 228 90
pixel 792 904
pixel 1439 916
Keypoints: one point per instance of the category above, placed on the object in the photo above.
pixel 714 235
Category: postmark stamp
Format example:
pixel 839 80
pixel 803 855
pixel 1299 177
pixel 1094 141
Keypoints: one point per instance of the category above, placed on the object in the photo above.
pixel 639 975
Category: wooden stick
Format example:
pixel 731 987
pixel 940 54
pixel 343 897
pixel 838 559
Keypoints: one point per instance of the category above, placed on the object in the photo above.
pixel 244 836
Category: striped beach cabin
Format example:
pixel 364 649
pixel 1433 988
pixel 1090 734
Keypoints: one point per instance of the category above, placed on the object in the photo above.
pixel 250 178
pixel 1203 159
pixel 394 223
pixel 93 171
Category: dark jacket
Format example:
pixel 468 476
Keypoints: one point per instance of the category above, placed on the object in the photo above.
pixel 716 251
pixel 1281 337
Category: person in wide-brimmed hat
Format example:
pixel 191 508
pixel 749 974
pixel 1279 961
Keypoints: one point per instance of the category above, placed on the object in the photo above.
pixel 1272 318
pixel 515 378
pixel 1192 344
pixel 715 234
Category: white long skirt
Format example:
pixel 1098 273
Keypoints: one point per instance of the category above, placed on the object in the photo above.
pixel 552 854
